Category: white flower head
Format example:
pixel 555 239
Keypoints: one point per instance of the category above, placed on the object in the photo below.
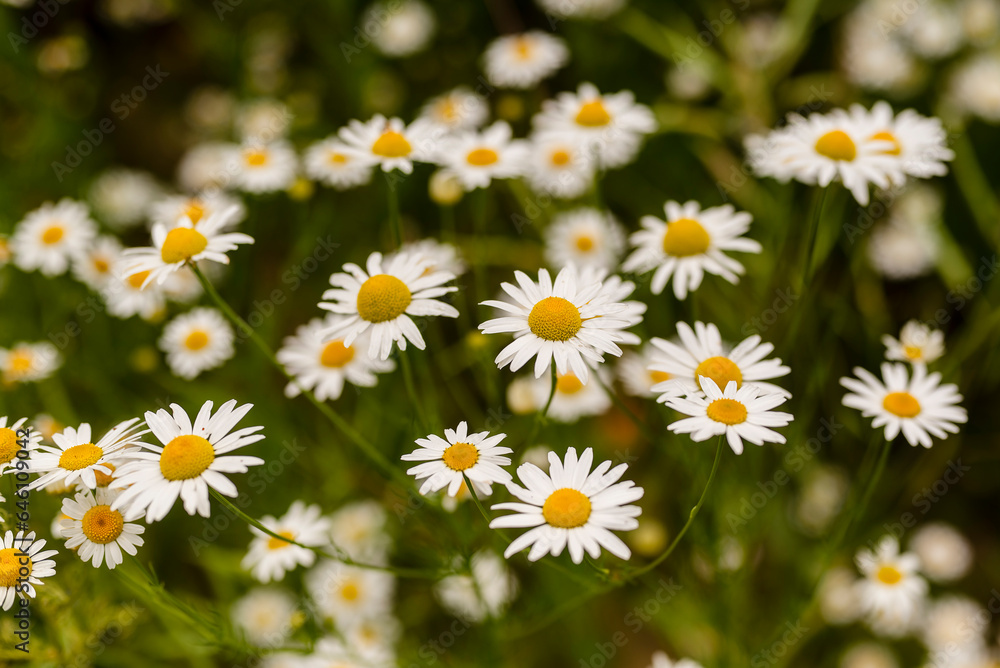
pixel 269 558
pixel 95 266
pixel 76 456
pixel 14 550
pixel 892 594
pixel 97 533
pixel 335 164
pixel 29 362
pixel 265 167
pixel 584 237
pixel 476 158
pixel 459 109
pixel 485 592
pixel 446 461
pixel 11 442
pixel 52 236
pixel 558 166
pixel 523 60
pixel 917 344
pixel 196 341
pixel 390 143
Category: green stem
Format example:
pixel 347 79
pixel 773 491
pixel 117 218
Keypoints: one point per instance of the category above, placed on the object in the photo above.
pixel 395 220
pixel 976 189
pixel 340 423
pixel 694 513
pixel 541 415
pixel 411 389
pixel 816 214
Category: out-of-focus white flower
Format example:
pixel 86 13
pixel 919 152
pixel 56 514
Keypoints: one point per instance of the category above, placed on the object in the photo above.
pixel 945 554
pixel 121 197
pixel 399 29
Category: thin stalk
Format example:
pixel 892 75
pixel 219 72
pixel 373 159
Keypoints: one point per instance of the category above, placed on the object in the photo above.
pixel 395 220
pixel 816 214
pixel 411 389
pixel 541 415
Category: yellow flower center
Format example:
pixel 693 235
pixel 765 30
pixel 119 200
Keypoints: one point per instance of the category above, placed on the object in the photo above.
pixel 560 158
pixel 335 354
pixel 10 565
pixel 901 404
pixel 391 145
pixel 383 297
pixel 337 158
pixel 721 370
pixel 255 157
pixel 685 237
pixel 136 280
pixel 52 235
pixel 194 210
pixel 593 114
pixel 181 244
pixel 196 340
pixel 658 376
pixel 482 157
pixel 889 575
pixel 460 456
pixel 568 384
pixel 104 479
pixel 276 543
pixel 186 457
pixel 837 145
pixel 566 508
pixel 80 457
pixel 727 411
pixel 554 319
pixel 8 445
pixel 885 135
pixel 446 110
pixel 20 362
pixel 585 243
pixel 522 48
pixel 350 592
pixel 101 266
pixel 913 352
pixel 102 525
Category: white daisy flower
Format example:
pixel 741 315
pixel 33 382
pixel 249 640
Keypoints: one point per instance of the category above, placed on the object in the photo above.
pixel 94 266
pixel 390 143
pixel 262 168
pixel 975 86
pixel 917 142
pixel 51 236
pixel 570 505
pixel 459 109
pixel 584 237
pixel 945 554
pixel 348 594
pixel 172 209
pixel 324 365
pixel 917 344
pixel 690 243
pixel 445 462
pixel 934 31
pixel 76 456
pixel 485 592
pixel 919 407
pixel 359 530
pixel 476 158
pixel 661 660
pixel 95 532
pixel 581 9
pixel 739 414
pixel 400 29
pixel 837 595
pixel 384 297
pixel 186 242
pixel 29 362
pixel 207 166
pixel 614 289
pixel 523 60
pixel 262 120
pixel 611 126
pixel 266 615
pixel 892 593
pixel 196 341
pixel 126 295
pixel 121 197
pixel 568 322
pixel 558 166
pixel 14 552
pixel 189 461
pixel 269 558
pixel 825 147
pixel 700 352
pixel 11 442
pixel 333 163
pixel 371 640
pixel 444 188
pixel 636 372
pixel 954 623
pixel 440 256
pixel 904 248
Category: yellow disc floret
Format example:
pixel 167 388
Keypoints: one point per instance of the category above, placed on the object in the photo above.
pixel 885 135
pixel 566 508
pixel 196 340
pixel 80 457
pixel 685 237
pixel 901 404
pixel 276 543
pixel 181 244
pixel 727 411
pixel 391 144
pixel 102 525
pixel 460 456
pixel 10 566
pixel 186 457
pixel 554 319
pixel 568 384
pixel 889 575
pixel 837 145
pixel 383 297
pixel 722 370
pixel 335 354
pixel 593 114
pixel 52 235
pixel 482 157
pixel 8 445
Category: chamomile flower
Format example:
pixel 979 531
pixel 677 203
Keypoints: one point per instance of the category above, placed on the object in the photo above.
pixel 262 168
pixel 485 592
pixel 196 341
pixel 571 506
pixel 610 126
pixel 121 197
pixel 738 414
pixel 51 236
pixel 76 456
pixel 919 407
pixel 700 352
pixel 584 237
pixel 14 552
pixel 892 593
pixel 661 660
pixel 825 147
pixel 186 242
pixel 324 365
pixel 689 243
pixel 97 533
pixel 459 109
pixel 581 9
pixel 359 530
pixel 636 372
pixel 523 60
pixel 945 554
pixel 172 209
pixel 262 120
pixel 193 458
pixel 917 142
pixel 565 322
pixel 476 158
pixel 954 623
pixel 975 86
pixel 126 295
pixel 333 163
pixel 558 166
pixel 390 143
pixel 266 615
pixel 383 298
pixel 206 166
pixel 94 267
pixel 445 462
pixel 917 344
pixel 400 29
pixel 904 248
pixel 269 558
pixel 29 362
pixel 11 442
pixel 348 594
